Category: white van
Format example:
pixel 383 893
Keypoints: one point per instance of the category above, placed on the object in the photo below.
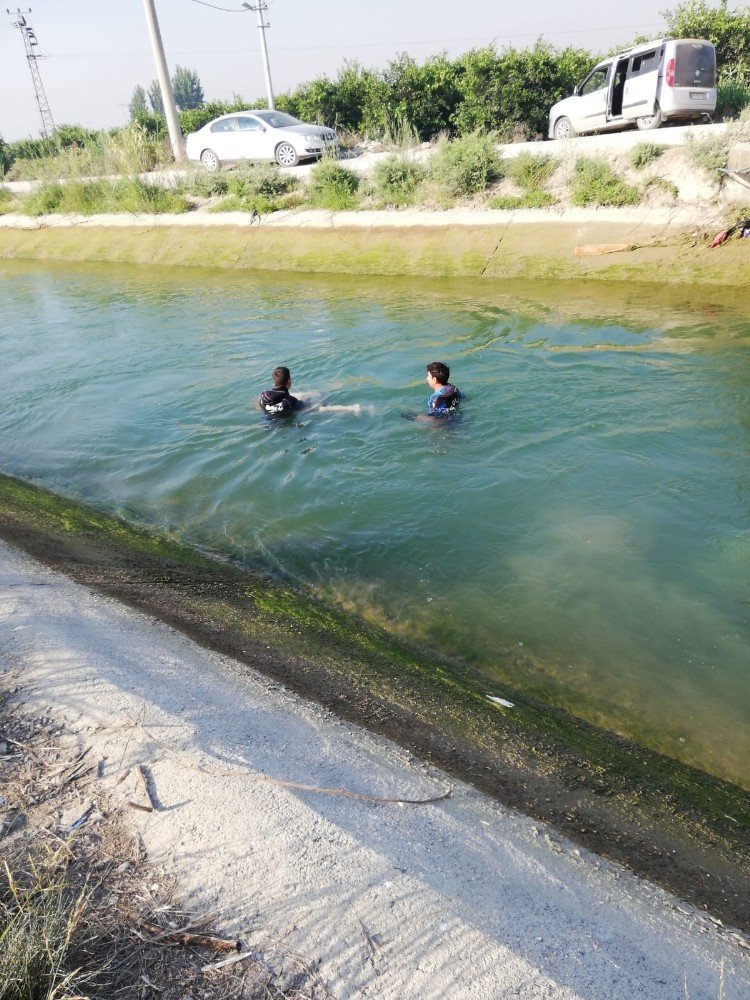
pixel 647 85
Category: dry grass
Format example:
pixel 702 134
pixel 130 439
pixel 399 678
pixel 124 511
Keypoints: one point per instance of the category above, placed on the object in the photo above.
pixel 82 912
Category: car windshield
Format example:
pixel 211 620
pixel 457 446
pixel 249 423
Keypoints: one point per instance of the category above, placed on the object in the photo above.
pixel 276 119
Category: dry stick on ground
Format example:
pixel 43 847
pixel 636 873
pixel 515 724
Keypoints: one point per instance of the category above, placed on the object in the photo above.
pixel 280 782
pixel 184 936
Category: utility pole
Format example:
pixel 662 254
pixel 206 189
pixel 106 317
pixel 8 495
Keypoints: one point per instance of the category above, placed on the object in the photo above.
pixel 165 84
pixel 30 43
pixel 261 7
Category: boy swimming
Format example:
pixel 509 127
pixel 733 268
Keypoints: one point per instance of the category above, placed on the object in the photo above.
pixel 445 397
pixel 278 402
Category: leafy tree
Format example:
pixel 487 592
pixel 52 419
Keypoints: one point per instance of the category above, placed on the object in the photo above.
pixel 74 135
pixel 137 102
pixel 188 93
pixel 154 98
pixel 5 157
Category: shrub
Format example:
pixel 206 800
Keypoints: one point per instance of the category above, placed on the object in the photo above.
pixel 396 179
pixel 732 97
pixel 534 198
pixel 465 166
pixel 208 185
pixel 595 183
pixel 333 187
pixel 662 184
pixel 260 179
pixel 644 154
pixel 711 152
pixel 531 171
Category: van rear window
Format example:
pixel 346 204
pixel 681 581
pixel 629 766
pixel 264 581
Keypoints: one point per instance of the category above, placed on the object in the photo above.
pixel 695 66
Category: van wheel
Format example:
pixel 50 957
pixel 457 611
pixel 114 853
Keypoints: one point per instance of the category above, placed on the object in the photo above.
pixel 650 122
pixel 564 129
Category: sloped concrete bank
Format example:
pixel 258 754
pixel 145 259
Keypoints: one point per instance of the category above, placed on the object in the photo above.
pixel 675 824
pixel 647 245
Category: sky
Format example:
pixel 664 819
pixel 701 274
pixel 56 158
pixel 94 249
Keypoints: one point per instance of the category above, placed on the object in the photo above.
pixel 97 52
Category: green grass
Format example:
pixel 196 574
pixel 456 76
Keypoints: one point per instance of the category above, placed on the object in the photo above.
pixel 534 198
pixel 531 171
pixel 129 151
pixel 97 197
pixel 644 154
pixel 7 201
pixel 662 184
pixel 396 181
pixel 333 187
pixel 466 166
pixel 596 184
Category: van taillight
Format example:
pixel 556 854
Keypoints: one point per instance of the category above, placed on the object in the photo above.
pixel 670 73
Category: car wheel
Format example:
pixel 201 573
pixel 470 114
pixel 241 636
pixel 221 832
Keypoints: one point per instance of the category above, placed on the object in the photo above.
pixel 287 155
pixel 650 122
pixel 210 160
pixel 564 129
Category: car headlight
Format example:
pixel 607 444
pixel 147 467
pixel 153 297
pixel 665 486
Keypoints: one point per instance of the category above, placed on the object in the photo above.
pixel 313 139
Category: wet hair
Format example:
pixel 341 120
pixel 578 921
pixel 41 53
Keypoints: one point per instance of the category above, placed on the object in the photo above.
pixel 439 371
pixel 280 376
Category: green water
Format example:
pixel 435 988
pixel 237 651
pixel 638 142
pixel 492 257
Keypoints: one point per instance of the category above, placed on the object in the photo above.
pixel 581 531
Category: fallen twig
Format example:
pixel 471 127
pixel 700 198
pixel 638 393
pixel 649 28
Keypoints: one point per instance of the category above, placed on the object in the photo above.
pixel 242 957
pixel 141 808
pixel 184 935
pixel 144 782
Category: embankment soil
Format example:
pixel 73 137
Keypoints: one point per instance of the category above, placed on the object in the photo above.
pixel 675 824
pixel 666 246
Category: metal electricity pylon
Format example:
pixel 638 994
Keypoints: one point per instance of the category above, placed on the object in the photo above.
pixel 30 43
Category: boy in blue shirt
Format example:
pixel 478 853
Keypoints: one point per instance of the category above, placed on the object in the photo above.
pixel 445 397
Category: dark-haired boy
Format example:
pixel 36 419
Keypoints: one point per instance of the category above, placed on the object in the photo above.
pixel 445 397
pixel 277 402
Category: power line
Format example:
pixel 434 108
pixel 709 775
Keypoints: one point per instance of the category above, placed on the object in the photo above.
pixel 366 45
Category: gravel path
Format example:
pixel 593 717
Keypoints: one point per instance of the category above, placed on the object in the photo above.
pixel 462 898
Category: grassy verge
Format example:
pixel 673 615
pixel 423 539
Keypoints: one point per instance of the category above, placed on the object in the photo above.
pixel 663 818
pixel 100 197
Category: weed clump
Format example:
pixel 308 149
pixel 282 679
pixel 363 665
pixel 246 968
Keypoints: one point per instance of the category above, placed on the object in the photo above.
pixel 711 152
pixel 97 197
pixel 535 198
pixel 644 154
pixel 531 171
pixel 132 150
pixel 396 180
pixel 333 187
pixel 6 201
pixel 595 183
pixel 465 166
pixel 257 187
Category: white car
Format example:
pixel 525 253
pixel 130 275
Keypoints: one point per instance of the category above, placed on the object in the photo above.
pixel 259 135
